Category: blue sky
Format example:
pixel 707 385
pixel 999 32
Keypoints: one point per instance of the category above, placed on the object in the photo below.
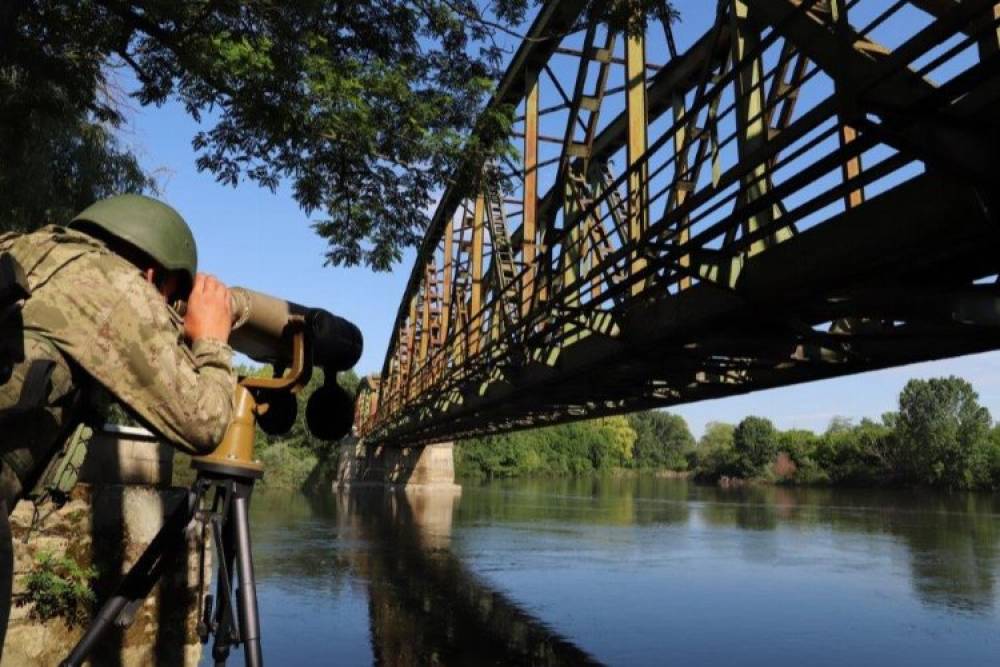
pixel 251 237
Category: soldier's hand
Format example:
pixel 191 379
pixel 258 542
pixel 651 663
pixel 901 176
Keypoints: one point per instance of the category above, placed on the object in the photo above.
pixel 208 310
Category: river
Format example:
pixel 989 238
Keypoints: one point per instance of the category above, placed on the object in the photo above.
pixel 629 571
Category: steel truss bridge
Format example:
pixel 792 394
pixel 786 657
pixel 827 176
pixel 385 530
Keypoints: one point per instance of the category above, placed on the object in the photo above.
pixel 809 189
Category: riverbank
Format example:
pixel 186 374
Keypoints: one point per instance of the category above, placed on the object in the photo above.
pixel 939 437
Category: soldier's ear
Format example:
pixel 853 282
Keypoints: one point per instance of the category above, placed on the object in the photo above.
pixel 164 281
pixel 170 284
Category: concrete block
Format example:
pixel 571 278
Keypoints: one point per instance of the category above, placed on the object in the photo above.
pixel 108 527
pixel 127 455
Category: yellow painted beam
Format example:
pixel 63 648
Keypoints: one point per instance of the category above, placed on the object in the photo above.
pixel 638 186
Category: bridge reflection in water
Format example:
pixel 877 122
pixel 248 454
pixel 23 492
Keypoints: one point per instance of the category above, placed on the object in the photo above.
pixel 424 605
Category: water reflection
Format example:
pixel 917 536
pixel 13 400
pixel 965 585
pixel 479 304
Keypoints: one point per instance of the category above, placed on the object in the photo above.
pixel 615 501
pixel 636 569
pixel 951 540
pixel 424 606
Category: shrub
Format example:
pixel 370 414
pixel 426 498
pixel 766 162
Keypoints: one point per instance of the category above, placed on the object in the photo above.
pixel 798 444
pixel 856 454
pixel 565 449
pixel 784 467
pixel 58 587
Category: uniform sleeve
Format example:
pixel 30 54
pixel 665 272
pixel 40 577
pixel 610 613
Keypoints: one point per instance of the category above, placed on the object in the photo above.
pixel 184 394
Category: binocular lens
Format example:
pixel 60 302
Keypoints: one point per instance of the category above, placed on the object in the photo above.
pixel 337 344
pixel 330 412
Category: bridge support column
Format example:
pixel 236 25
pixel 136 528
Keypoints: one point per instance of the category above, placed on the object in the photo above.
pixel 429 467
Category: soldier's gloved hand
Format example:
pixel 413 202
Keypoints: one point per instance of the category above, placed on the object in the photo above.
pixel 208 310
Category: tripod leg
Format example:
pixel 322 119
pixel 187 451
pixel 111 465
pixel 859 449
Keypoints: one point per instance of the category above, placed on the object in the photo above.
pixel 225 630
pixel 249 620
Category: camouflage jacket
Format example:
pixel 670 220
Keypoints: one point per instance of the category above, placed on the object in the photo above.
pixel 100 313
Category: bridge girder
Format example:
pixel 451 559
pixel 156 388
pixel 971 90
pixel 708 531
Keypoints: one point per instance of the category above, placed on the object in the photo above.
pixel 798 201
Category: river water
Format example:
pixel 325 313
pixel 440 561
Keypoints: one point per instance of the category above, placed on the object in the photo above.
pixel 633 571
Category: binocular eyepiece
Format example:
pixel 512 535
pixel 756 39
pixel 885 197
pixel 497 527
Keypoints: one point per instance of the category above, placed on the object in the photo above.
pixel 263 329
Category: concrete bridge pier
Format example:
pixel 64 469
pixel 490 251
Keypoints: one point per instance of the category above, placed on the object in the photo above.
pixel 427 467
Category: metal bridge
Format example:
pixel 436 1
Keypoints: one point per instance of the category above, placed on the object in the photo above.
pixel 809 190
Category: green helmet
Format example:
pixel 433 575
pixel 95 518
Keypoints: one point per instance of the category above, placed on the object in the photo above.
pixel 150 225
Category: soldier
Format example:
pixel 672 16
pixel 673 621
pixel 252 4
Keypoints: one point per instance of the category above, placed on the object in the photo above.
pixel 93 315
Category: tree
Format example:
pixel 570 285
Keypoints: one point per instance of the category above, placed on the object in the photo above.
pixel 717 435
pixel 367 108
pixel 52 168
pixel 716 456
pixel 565 449
pixel 839 424
pixel 799 444
pixel 755 441
pixel 856 454
pixel 943 432
pixel 663 440
pixel 619 438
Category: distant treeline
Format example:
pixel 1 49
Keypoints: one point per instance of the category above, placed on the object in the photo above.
pixel 940 436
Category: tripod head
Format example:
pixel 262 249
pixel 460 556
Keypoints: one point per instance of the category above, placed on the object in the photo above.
pixel 294 339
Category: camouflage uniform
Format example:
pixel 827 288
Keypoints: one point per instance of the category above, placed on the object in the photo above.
pixel 92 318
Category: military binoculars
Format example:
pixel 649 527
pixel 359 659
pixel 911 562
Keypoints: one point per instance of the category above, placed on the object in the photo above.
pixel 295 338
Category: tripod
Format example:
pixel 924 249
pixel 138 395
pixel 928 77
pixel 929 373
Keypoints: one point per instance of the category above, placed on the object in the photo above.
pixel 228 521
pixel 230 471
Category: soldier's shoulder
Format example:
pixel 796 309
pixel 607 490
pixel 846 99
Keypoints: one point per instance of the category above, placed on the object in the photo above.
pixel 72 242
pixel 75 262
pixel 51 238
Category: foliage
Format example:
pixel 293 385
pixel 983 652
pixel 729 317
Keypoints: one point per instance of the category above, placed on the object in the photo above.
pixel 718 435
pixel 58 587
pixel 855 454
pixel 943 433
pixel 755 442
pixel 365 107
pixel 663 440
pixel 992 456
pixel 57 149
pixel 715 454
pixel 286 466
pixel 622 439
pixel 52 168
pixel 567 449
pixel 799 444
pixel 941 436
